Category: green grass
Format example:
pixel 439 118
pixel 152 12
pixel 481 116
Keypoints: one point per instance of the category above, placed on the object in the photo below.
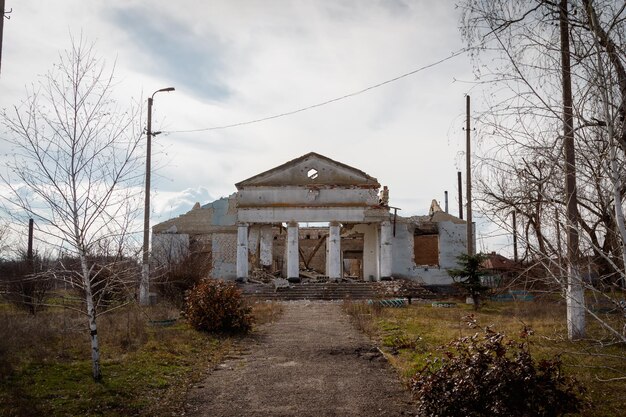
pixel 154 377
pixel 45 368
pixel 428 328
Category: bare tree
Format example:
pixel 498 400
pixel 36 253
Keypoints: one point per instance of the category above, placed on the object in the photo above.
pixel 4 239
pixel 26 281
pixel 75 168
pixel 535 115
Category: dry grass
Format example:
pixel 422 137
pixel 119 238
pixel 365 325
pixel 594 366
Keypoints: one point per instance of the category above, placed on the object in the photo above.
pixel 266 312
pixel 149 359
pixel 409 334
pixel 147 366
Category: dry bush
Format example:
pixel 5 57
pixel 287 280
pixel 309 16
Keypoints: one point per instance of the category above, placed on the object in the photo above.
pixel 25 283
pixel 175 278
pixel 217 306
pixel 488 375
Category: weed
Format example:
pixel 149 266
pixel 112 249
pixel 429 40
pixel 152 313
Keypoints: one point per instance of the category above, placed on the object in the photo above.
pixel 266 312
pixel 362 314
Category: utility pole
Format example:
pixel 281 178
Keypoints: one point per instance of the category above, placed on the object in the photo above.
pixel 460 188
pixel 575 297
pixel 29 251
pixel 445 193
pixel 468 179
pixel 1 27
pixel 144 285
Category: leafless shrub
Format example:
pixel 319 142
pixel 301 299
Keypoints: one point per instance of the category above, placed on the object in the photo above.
pixel 113 279
pixel 26 283
pixel 177 276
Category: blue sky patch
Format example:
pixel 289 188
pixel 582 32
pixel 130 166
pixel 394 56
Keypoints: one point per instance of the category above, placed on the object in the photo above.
pixel 173 51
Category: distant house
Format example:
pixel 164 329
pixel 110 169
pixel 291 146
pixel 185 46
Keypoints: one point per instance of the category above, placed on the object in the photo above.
pixel 501 268
pixel 314 213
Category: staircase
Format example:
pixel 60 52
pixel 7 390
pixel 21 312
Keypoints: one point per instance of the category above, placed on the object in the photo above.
pixel 329 291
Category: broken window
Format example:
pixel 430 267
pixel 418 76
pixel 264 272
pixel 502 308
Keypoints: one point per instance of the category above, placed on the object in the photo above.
pixel 426 244
pixel 312 173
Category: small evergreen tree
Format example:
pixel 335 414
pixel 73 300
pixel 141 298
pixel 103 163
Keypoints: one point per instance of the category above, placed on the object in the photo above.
pixel 468 275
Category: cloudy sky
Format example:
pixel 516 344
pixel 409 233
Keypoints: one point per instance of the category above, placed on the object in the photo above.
pixel 234 61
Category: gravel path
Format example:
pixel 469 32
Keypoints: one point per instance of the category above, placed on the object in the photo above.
pixel 312 362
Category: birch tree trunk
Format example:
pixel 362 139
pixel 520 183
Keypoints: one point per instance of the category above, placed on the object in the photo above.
pixel 615 177
pixel 76 152
pixel 91 317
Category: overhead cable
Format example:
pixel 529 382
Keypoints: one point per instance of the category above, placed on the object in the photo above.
pixel 324 103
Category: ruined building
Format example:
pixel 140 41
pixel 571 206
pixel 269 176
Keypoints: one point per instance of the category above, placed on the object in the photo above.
pixel 314 214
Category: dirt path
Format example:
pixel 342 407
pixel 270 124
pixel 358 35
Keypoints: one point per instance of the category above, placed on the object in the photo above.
pixel 312 362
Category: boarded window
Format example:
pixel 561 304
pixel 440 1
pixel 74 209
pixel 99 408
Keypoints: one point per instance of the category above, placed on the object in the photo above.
pixel 426 249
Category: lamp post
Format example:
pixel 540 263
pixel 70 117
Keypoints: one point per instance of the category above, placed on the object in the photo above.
pixel 144 286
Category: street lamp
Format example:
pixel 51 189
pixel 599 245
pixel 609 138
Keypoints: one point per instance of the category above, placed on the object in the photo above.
pixel 144 286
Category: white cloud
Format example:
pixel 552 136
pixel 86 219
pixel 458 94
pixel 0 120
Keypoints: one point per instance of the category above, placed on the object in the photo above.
pixel 166 205
pixel 239 60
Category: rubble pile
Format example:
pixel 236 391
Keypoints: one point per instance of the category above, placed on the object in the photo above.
pixel 402 288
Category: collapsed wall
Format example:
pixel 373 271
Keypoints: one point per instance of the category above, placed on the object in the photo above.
pixel 425 247
pixel 209 229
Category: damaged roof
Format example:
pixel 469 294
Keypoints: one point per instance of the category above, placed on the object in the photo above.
pixel 311 169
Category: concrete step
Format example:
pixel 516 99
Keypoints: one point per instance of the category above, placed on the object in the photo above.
pixel 333 291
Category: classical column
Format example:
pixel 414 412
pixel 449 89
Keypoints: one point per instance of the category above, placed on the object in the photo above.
pixel 333 263
pixel 385 249
pixel 293 257
pixel 371 250
pixel 266 246
pixel 242 252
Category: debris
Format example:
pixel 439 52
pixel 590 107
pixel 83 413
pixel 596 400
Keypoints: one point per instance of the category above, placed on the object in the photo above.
pixel 280 283
pixel 259 276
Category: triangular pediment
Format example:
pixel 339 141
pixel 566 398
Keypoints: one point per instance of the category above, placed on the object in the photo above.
pixel 311 169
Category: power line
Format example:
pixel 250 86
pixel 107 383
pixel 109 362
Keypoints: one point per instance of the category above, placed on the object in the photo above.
pixel 324 103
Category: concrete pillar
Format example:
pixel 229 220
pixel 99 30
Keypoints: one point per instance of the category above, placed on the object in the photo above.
pixel 254 236
pixel 385 249
pixel 293 256
pixel 242 252
pixel 371 248
pixel 333 262
pixel 266 246
pixel 254 233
